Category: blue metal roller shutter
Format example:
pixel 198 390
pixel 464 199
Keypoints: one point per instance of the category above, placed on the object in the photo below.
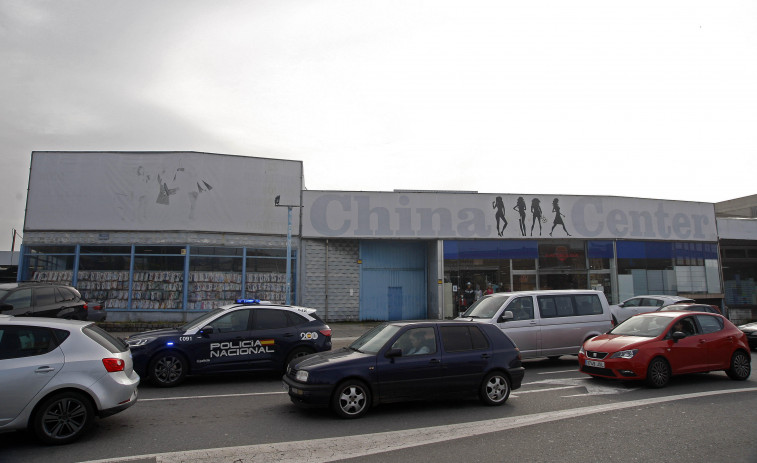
pixel 393 280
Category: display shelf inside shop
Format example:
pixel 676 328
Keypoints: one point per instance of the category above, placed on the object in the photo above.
pixel 163 290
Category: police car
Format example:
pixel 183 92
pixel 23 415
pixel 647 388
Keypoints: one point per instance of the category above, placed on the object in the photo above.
pixel 247 336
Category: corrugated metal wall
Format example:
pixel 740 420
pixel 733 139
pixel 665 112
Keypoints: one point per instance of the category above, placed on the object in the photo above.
pixel 393 280
pixel 331 281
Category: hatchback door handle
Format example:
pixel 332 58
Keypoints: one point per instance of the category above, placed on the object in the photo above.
pixel 44 370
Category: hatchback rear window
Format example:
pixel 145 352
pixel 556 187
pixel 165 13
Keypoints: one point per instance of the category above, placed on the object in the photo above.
pixel 105 339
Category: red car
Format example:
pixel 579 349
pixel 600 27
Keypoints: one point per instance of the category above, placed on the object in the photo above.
pixel 657 345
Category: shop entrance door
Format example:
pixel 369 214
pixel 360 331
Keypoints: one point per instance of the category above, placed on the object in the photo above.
pixel 524 281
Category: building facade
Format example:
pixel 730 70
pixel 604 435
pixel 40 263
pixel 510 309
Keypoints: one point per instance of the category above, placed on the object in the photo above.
pixel 415 252
pixel 167 235
pixel 161 236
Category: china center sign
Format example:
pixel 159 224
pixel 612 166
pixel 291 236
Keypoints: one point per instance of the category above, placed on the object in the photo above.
pixel 423 215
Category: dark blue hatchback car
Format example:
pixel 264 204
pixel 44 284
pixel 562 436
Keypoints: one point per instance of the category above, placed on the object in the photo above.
pixel 248 336
pixel 399 361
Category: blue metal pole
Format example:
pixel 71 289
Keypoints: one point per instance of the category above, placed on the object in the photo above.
pixel 289 255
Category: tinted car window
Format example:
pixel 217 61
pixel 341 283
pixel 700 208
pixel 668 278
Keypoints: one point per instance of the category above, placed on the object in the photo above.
pixel 652 302
pixel 62 335
pixel 234 321
pixel 65 294
pixel 270 319
pixel 710 324
pixel 462 338
pixel 556 306
pixel 25 341
pixel 105 339
pixel 588 304
pixel 44 296
pixel 20 299
pixel 478 339
pixel 293 319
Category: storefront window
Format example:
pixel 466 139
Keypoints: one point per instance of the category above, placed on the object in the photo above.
pixel 666 268
pixel 52 264
pixel 489 265
pixel 740 276
pixel 103 275
pixel 600 254
pixel 266 275
pixel 158 279
pixel 562 255
pixel 215 277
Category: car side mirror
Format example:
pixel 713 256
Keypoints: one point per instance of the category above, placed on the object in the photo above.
pixel 677 335
pixel 206 330
pixel 392 353
pixel 507 315
pixel 4 307
pixel 621 305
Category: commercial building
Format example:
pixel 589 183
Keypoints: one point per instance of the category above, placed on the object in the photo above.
pixel 163 235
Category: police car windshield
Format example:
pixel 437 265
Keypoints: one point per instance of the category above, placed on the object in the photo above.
pixel 372 341
pixel 486 307
pixel 201 321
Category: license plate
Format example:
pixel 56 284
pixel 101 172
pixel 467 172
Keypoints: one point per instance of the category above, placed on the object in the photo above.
pixel 594 363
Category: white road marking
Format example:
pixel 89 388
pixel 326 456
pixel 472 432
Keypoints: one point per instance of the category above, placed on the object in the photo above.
pixel 338 448
pixel 593 387
pixel 516 394
pixel 559 371
pixel 210 396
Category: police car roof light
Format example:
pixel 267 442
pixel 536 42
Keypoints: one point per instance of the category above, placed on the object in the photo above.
pixel 248 301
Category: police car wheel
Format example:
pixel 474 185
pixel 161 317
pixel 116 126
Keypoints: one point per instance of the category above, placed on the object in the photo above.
pixel 296 353
pixel 351 399
pixel 495 388
pixel 168 369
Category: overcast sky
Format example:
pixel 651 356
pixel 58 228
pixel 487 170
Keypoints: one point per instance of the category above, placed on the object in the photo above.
pixel 652 99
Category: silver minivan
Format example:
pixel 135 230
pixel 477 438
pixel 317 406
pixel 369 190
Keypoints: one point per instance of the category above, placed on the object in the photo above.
pixel 545 323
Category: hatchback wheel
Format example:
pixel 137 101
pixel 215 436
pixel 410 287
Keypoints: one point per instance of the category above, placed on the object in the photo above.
pixel 168 369
pixel 658 373
pixel 62 418
pixel 351 399
pixel 740 366
pixel 495 389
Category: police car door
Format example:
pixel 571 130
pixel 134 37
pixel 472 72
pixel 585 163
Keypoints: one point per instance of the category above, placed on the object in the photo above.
pixel 228 347
pixel 273 336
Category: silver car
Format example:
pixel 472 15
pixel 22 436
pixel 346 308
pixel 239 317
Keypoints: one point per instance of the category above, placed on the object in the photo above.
pixel 57 375
pixel 642 304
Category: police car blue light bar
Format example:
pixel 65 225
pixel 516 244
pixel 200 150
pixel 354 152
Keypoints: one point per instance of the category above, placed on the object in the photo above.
pixel 248 301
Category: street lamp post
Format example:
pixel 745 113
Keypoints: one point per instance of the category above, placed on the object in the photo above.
pixel 289 247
